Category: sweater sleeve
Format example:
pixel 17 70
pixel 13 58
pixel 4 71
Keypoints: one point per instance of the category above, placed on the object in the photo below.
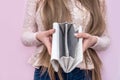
pixel 29 25
pixel 103 41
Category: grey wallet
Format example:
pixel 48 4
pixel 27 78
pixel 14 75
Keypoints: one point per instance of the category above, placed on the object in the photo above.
pixel 66 48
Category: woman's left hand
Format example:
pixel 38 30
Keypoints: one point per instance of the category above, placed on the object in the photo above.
pixel 88 40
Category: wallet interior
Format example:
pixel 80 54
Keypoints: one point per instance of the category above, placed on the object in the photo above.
pixel 67 40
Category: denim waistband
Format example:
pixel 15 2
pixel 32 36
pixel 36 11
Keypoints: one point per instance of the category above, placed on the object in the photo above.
pixel 75 74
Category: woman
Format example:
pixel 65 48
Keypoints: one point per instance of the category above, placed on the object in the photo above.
pixel 37 31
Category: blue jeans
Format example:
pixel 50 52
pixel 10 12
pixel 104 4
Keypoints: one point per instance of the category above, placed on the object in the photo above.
pixel 76 74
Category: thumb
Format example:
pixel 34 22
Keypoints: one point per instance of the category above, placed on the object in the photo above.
pixel 50 32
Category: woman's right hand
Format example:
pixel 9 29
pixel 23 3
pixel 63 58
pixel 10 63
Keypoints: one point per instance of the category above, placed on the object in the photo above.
pixel 46 38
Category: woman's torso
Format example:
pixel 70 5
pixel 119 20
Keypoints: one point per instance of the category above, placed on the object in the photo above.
pixel 80 17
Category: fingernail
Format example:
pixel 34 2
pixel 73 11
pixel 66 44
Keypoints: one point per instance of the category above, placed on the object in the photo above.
pixel 75 34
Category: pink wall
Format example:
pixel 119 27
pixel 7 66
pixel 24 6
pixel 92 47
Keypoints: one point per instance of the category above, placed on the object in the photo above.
pixel 14 56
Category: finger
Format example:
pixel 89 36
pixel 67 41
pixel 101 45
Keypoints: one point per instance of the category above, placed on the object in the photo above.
pixel 48 45
pixel 49 50
pixel 82 35
pixel 50 39
pixel 50 32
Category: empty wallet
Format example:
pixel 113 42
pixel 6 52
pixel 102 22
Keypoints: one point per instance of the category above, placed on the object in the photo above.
pixel 66 48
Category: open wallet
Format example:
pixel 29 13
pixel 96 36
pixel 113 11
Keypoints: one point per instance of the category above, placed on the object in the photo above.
pixel 66 48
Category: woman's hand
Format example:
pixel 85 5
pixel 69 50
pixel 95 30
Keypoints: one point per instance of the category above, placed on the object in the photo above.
pixel 46 38
pixel 88 40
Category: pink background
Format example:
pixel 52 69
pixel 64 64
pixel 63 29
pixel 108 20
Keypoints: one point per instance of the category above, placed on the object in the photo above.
pixel 14 56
